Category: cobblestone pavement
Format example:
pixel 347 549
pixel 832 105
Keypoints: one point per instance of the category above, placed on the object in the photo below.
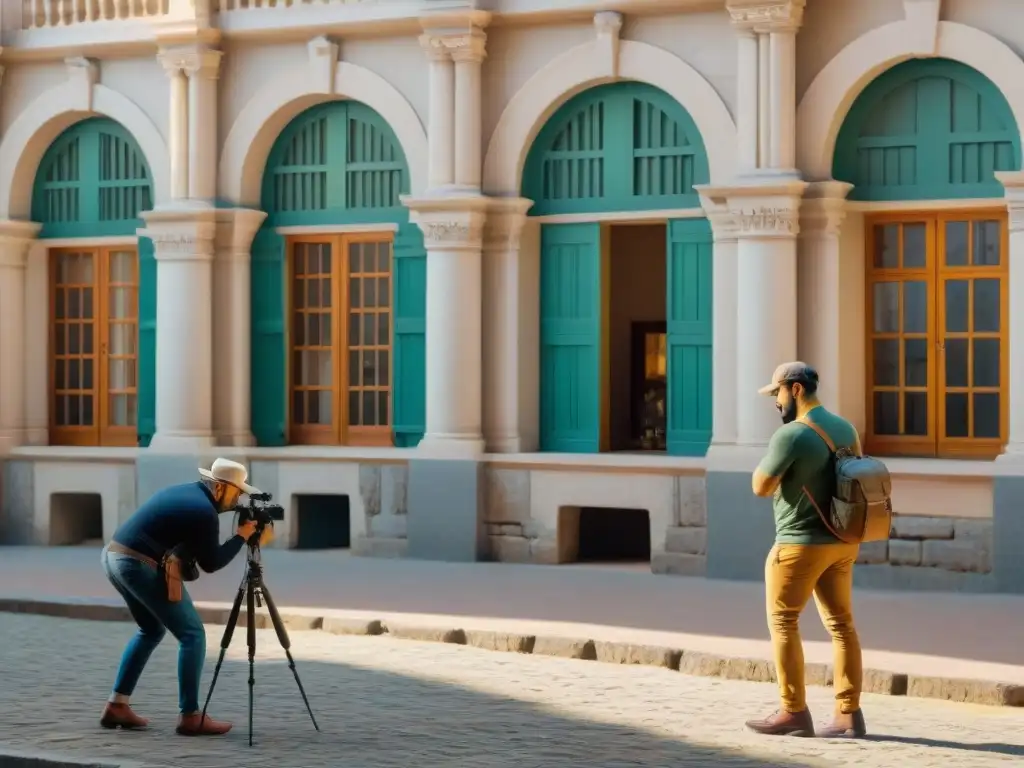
pixel 383 703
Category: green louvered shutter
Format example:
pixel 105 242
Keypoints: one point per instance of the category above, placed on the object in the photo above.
pixel 269 357
pixel 147 342
pixel 571 289
pixel 688 310
pixel 410 340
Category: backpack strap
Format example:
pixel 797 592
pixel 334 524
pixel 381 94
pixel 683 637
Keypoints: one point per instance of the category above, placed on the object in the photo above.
pixel 805 420
pixel 832 449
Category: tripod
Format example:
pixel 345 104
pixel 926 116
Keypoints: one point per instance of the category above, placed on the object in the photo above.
pixel 255 592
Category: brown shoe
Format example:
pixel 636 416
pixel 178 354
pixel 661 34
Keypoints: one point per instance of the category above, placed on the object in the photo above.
pixel 121 716
pixel 784 723
pixel 845 726
pixel 197 725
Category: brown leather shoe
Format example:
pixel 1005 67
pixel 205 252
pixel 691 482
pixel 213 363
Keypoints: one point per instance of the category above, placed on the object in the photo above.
pixel 121 716
pixel 197 725
pixel 846 726
pixel 783 723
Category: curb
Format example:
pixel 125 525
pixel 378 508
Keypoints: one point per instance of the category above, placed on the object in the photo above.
pixel 699 664
pixel 14 758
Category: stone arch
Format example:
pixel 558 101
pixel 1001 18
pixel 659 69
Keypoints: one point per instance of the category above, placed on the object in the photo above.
pixel 827 101
pixel 273 107
pixel 585 66
pixel 53 112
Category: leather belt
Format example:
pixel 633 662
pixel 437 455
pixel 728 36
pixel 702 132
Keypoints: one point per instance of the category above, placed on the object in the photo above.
pixel 121 549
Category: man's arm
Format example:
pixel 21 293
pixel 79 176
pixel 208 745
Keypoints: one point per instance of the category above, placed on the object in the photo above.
pixel 773 466
pixel 211 555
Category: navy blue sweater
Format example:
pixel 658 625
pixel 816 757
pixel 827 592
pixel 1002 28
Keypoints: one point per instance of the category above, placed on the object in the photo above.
pixel 182 514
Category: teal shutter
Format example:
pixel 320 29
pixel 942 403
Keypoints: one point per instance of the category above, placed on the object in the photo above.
pixel 571 338
pixel 410 340
pixel 688 313
pixel 269 357
pixel 147 343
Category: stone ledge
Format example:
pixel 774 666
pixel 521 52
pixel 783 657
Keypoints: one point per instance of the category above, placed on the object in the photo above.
pixel 885 682
pixel 16 758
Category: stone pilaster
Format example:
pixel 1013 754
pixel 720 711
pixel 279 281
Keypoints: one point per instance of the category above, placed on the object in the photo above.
pixel 725 322
pixel 1013 182
pixel 16 237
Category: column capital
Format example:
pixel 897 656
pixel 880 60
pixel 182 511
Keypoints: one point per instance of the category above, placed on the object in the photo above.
pixel 191 60
pixel 449 223
pixel 505 219
pixel 758 207
pixel 461 45
pixel 15 239
pixel 236 228
pixel 764 16
pixel 824 207
pixel 181 233
pixel 1013 183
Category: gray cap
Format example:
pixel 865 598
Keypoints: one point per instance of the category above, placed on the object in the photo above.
pixel 788 373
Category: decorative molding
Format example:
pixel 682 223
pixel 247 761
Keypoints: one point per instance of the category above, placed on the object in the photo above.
pixel 767 15
pixel 323 63
pixel 723 226
pixel 824 207
pixel 191 61
pixel 504 224
pixel 1013 183
pixel 464 45
pixel 609 26
pixel 451 232
pixel 83 74
pixel 16 239
pixel 766 221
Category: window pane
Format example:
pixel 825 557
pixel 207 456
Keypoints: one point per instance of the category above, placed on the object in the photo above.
pixel 87 308
pixel 956 243
pixel 324 364
pixel 956 414
pixel 87 413
pixel 987 243
pixel 299 260
pixel 956 362
pixel 355 260
pixel 299 293
pixel 74 303
pixel 887 249
pixel 325 404
pixel 887 413
pixel 354 296
pixel 915 307
pixel 325 258
pixel 354 321
pixel 370 408
pixel 383 409
pixel 887 362
pixel 312 293
pixel 915 362
pixel 384 368
pixel 74 339
pixel 914 255
pixel 355 371
pixel 299 329
pixel 326 300
pixel 88 332
pixel 915 413
pixel 986 363
pixel 118 405
pixel 986 305
pixel 383 292
pixel 298 407
pixel 354 418
pixel 986 414
pixel 59 381
pixel 956 305
pixel 87 382
pixel 325 329
pixel 59 311
pixel 383 328
pixel 384 257
pixel 369 369
pixel 369 292
pixel 122 339
pixel 74 411
pixel 74 374
pixel 886 307
pixel 313 407
pixel 369 327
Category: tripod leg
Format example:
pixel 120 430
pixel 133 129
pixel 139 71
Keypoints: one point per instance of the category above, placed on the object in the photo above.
pixel 250 605
pixel 286 643
pixel 225 641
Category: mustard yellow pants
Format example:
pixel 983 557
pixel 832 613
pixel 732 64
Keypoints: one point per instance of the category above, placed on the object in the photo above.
pixel 792 574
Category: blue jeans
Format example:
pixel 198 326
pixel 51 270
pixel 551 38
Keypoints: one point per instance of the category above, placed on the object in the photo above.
pixel 145 592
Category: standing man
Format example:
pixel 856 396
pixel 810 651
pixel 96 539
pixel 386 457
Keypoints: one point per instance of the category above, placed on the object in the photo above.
pixel 807 557
pixel 182 518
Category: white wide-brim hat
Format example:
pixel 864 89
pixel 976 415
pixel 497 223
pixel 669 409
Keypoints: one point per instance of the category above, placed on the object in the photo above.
pixel 230 472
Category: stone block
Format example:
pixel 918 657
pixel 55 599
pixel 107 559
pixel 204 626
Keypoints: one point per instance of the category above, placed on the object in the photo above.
pixel 544 551
pixel 909 527
pixel 974 530
pixel 966 691
pixel 338 625
pixel 904 552
pixel 508 642
pixel 566 648
pixel 371 546
pixel 393 484
pixel 687 541
pixel 427 634
pixel 873 552
pixel 446 510
pixel 510 549
pixel 752 670
pixel 17 502
pixel 967 556
pixel 678 564
pixel 369 488
pixel 693 501
pixel 885 683
pixel 646 655
pixel 818 674
pixel 388 526
pixel 701 664
pixel 508 495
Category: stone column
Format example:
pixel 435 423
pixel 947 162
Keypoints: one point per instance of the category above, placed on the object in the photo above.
pixel 1013 181
pixel 176 63
pixel 232 312
pixel 453 235
pixel 826 288
pixel 510 333
pixel 16 237
pixel 184 246
pixel 202 66
pixel 441 124
pixel 468 53
pixel 747 108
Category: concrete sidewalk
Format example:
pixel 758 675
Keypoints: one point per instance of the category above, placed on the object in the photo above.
pixel 970 637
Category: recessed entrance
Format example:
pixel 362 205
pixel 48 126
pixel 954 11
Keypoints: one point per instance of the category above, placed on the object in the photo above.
pixel 323 521
pixel 604 535
pixel 75 518
pixel 638 348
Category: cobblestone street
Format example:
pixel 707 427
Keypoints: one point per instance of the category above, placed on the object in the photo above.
pixel 383 703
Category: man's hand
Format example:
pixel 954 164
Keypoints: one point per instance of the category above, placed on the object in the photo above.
pixel 247 529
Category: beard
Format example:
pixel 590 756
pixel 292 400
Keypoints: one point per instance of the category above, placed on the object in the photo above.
pixel 788 412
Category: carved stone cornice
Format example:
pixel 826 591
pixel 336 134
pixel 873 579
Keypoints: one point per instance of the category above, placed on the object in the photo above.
pixel 193 61
pixel 181 234
pixel 767 15
pixel 824 208
pixel 1013 183
pixel 455 223
pixel 464 45
pixel 762 206
pixel 505 220
pixel 766 221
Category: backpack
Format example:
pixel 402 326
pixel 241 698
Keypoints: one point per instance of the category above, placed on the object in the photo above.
pixel 861 509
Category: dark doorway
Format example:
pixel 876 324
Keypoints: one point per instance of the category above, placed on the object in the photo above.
pixel 323 521
pixel 76 518
pixel 614 535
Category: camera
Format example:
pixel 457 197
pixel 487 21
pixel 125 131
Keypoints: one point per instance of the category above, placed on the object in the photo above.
pixel 261 511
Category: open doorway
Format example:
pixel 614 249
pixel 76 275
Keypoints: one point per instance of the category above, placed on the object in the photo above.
pixel 638 363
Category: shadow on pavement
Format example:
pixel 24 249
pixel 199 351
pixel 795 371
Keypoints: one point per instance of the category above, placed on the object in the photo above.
pixel 1013 750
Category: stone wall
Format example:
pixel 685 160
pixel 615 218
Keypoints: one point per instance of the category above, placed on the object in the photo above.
pixel 686 544
pixel 383 491
pixel 513 536
pixel 944 543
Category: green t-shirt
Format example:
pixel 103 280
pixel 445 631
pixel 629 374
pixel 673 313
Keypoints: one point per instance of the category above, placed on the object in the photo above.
pixel 801 458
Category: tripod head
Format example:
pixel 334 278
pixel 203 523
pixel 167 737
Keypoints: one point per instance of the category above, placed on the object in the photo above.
pixel 262 512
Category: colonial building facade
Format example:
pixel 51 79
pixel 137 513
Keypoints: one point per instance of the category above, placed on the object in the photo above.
pixel 452 276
